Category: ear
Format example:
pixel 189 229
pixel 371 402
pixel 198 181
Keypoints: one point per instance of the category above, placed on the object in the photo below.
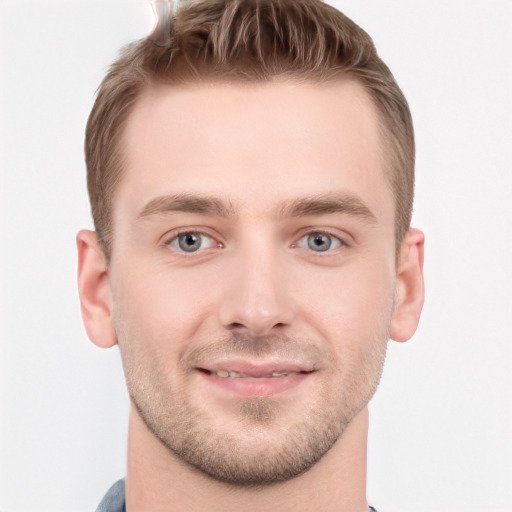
pixel 94 290
pixel 410 287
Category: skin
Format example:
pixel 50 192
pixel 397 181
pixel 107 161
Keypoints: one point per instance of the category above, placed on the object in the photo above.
pixel 261 175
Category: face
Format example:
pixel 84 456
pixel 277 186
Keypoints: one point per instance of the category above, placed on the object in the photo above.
pixel 253 271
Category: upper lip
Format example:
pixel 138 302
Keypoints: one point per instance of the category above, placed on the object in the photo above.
pixel 255 369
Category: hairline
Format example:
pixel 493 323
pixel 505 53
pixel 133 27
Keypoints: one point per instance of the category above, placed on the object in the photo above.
pixel 387 155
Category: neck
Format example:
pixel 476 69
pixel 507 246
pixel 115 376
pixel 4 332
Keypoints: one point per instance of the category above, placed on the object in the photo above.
pixel 158 481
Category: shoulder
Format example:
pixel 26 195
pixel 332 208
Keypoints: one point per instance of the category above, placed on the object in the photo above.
pixel 113 501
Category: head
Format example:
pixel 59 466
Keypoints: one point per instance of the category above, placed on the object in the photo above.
pixel 251 186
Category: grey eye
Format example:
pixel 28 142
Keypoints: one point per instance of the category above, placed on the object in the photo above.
pixel 319 242
pixel 191 242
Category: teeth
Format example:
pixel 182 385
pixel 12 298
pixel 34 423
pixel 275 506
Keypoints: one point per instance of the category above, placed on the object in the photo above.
pixel 236 375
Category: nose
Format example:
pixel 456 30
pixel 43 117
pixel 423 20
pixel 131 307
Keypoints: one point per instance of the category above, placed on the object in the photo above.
pixel 256 299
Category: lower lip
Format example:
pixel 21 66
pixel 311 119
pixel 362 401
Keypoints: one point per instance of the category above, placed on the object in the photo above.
pixel 267 386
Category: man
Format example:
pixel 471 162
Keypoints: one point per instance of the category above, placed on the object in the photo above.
pixel 251 183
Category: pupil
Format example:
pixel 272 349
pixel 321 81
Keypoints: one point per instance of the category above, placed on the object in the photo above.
pixel 189 242
pixel 319 242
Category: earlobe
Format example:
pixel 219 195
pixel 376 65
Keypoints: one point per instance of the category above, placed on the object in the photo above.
pixel 410 288
pixel 94 290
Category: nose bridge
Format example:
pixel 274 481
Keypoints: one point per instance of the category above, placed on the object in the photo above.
pixel 255 297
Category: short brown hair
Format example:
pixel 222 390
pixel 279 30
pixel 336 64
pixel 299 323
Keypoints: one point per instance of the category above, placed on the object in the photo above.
pixel 248 40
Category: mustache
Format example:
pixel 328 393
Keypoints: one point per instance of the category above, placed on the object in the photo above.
pixel 267 348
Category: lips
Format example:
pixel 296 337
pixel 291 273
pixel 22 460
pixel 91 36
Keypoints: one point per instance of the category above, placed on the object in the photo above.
pixel 237 375
pixel 249 379
pixel 246 369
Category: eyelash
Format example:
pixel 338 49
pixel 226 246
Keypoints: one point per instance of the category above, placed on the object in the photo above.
pixel 213 243
pixel 338 241
pixel 175 239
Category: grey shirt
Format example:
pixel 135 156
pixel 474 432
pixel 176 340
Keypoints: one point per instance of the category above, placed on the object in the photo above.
pixel 114 499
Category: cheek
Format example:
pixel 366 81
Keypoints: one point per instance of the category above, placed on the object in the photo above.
pixel 351 304
pixel 158 306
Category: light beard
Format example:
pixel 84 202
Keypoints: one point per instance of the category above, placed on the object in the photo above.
pixel 261 445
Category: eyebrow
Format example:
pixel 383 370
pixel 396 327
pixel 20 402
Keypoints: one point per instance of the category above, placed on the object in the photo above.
pixel 186 203
pixel 328 204
pixel 320 204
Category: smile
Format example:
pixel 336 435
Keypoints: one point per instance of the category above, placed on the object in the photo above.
pixel 255 381
pixel 237 375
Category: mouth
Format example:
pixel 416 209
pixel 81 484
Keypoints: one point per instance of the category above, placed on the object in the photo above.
pixel 253 380
pixel 225 374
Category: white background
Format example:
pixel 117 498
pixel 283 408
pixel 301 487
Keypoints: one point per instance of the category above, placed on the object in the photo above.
pixel 440 437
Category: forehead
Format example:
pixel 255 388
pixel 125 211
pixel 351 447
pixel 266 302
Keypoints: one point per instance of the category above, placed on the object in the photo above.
pixel 256 144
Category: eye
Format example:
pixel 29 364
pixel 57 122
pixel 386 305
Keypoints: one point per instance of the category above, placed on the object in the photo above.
pixel 191 242
pixel 319 242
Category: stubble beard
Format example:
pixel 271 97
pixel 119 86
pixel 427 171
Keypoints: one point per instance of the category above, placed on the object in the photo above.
pixel 258 448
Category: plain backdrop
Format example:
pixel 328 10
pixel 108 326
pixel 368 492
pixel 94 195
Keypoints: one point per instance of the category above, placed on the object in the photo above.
pixel 441 422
